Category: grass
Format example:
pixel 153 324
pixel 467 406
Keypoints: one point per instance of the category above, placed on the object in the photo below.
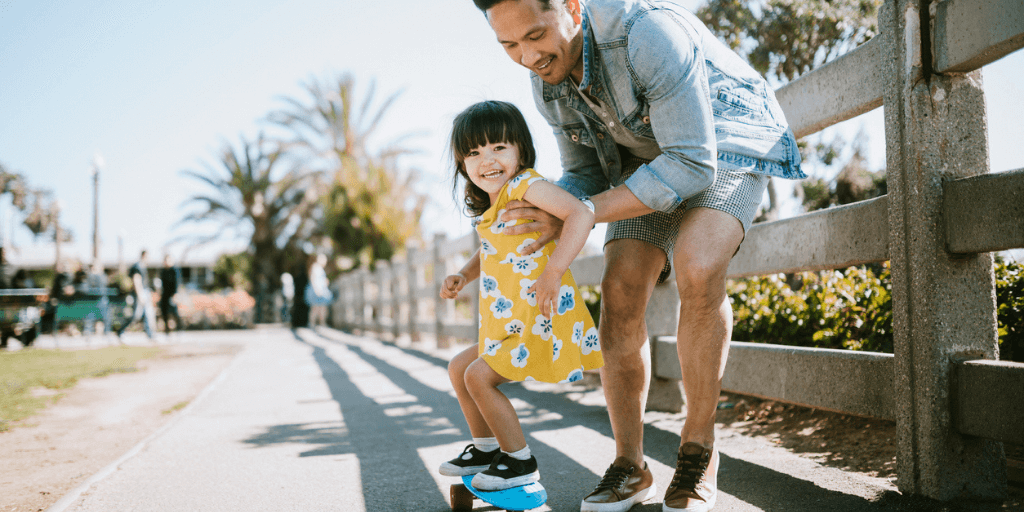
pixel 25 370
pixel 175 408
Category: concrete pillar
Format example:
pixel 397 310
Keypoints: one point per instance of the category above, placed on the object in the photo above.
pixel 474 298
pixel 440 271
pixel 412 292
pixel 362 277
pixel 943 304
pixel 662 318
pixel 396 299
pixel 380 303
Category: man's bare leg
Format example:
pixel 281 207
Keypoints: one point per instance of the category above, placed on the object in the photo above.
pixel 707 241
pixel 631 270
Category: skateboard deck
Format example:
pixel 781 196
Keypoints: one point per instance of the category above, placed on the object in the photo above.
pixel 524 497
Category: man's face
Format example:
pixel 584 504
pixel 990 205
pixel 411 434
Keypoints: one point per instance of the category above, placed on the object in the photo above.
pixel 549 43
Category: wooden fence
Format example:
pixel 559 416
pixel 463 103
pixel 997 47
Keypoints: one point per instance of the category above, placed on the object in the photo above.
pixel 953 401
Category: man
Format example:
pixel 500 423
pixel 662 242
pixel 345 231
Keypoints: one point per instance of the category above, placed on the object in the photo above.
pixel 168 288
pixel 143 298
pixel 674 137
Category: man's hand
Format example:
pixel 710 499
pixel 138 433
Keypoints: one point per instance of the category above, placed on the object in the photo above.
pixel 549 226
pixel 453 285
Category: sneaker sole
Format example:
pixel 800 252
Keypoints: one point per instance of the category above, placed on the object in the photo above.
pixel 620 506
pixel 698 508
pixel 449 469
pixel 488 483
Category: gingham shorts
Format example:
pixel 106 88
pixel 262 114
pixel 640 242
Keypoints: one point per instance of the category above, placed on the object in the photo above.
pixel 736 193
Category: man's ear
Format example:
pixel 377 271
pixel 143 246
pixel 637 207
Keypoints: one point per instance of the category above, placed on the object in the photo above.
pixel 575 11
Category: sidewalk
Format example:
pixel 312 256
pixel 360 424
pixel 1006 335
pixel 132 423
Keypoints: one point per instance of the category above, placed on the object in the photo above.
pixel 330 421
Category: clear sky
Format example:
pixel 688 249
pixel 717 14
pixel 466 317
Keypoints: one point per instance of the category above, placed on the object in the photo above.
pixel 158 87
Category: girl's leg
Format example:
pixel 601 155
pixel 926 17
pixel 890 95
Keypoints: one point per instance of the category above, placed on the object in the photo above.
pixel 482 382
pixel 457 373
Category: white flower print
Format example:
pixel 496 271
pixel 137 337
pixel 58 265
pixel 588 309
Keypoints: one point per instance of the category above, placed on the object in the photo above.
pixel 542 327
pixel 529 378
pixel 501 307
pixel 556 347
pixel 522 247
pixel 590 342
pixel 520 355
pixel 514 182
pixel 533 180
pixel 530 298
pixel 498 225
pixel 515 327
pixel 577 333
pixel 574 376
pixel 487 248
pixel 488 286
pixel 491 346
pixel 566 299
pixel 521 264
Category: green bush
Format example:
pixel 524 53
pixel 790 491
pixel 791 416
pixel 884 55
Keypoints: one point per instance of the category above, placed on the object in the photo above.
pixel 849 309
pixel 1010 309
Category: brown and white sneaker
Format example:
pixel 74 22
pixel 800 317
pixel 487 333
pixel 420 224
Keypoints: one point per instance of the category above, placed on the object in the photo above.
pixel 694 485
pixel 624 484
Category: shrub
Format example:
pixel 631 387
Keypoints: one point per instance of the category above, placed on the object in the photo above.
pixel 1010 309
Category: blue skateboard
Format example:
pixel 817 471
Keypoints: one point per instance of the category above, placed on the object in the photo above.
pixel 516 499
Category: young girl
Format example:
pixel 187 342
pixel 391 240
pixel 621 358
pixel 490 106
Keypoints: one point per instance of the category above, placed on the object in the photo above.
pixel 533 322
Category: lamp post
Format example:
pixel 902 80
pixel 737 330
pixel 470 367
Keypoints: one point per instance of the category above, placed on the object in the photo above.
pixel 97 164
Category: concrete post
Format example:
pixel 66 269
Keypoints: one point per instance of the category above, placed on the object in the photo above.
pixel 474 298
pixel 396 300
pixel 440 271
pixel 413 289
pixel 380 302
pixel 943 304
pixel 362 278
pixel 662 318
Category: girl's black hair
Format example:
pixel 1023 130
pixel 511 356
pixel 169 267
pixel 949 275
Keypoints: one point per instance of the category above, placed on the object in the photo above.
pixel 487 122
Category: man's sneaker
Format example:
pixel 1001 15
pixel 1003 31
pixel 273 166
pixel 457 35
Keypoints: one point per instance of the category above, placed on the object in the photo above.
pixel 471 461
pixel 507 472
pixel 695 484
pixel 624 484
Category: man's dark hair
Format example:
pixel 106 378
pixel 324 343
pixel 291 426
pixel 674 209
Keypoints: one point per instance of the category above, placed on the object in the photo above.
pixel 487 122
pixel 483 5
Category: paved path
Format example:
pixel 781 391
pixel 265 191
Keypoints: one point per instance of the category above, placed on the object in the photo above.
pixel 329 421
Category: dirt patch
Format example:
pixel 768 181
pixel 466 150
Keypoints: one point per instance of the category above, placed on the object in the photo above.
pixel 97 421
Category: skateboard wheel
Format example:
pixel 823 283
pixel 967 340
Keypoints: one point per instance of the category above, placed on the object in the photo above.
pixel 462 499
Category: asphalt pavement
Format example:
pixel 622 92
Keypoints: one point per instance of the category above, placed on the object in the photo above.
pixel 324 420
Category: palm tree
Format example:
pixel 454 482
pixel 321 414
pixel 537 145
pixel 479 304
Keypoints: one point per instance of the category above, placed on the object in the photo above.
pixel 250 197
pixel 370 207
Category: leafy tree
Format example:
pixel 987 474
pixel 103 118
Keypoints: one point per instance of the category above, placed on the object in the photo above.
pixel 40 210
pixel 1010 310
pixel 369 207
pixel 250 197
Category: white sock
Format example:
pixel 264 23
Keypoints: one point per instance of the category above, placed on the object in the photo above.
pixel 523 454
pixel 485 444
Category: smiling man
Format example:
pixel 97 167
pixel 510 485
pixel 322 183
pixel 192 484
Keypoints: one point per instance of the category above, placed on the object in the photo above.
pixel 674 138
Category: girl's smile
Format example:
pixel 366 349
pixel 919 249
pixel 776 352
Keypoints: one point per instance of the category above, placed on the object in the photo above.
pixel 491 166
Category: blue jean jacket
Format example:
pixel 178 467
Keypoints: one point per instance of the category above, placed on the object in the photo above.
pixel 667 78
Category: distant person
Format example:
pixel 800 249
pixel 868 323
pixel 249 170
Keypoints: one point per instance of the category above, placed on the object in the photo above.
pixel 143 298
pixel 300 308
pixel 534 324
pixel 168 289
pixel 318 293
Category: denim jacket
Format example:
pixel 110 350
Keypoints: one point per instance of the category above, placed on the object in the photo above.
pixel 667 78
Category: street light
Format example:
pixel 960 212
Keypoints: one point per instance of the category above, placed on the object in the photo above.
pixel 97 164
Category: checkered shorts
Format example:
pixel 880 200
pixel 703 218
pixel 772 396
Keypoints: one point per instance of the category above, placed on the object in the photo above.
pixel 736 193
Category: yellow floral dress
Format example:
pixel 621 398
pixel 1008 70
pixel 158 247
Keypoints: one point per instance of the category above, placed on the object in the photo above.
pixel 515 339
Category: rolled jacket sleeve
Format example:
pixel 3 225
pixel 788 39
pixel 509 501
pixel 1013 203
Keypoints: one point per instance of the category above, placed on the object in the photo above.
pixel 673 78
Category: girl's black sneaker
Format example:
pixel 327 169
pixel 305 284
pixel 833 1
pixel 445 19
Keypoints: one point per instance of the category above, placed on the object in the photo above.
pixel 507 472
pixel 470 462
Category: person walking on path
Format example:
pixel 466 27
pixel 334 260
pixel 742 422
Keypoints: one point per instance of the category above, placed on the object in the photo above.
pixel 534 325
pixel 318 293
pixel 143 298
pixel 168 289
pixel 675 137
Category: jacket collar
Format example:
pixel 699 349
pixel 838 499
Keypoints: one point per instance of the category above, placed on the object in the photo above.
pixel 557 92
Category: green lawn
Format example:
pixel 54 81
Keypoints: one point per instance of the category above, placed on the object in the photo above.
pixel 24 370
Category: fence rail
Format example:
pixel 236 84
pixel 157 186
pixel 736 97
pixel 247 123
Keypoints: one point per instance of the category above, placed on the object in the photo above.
pixel 949 395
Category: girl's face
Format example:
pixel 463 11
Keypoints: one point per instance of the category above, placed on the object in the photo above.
pixel 491 165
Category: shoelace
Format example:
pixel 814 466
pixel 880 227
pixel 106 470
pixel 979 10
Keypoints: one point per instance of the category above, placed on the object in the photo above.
pixel 689 470
pixel 613 478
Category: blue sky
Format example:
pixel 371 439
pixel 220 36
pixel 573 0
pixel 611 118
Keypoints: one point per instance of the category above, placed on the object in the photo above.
pixel 158 87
